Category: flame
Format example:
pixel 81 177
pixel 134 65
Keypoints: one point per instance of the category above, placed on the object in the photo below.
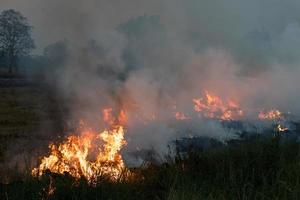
pixel 122 118
pixel 212 106
pixel 270 115
pixel 108 116
pixel 181 116
pixel 88 155
pixel 281 128
pixel 92 154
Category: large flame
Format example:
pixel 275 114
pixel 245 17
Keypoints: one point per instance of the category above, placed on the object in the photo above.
pixel 89 154
pixel 212 106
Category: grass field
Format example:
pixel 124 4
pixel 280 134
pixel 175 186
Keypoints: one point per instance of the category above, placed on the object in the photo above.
pixel 28 111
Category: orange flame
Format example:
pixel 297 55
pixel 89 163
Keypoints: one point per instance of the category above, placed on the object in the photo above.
pixel 181 116
pixel 212 106
pixel 270 115
pixel 281 128
pixel 75 154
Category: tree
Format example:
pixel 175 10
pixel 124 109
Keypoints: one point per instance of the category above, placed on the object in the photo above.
pixel 15 37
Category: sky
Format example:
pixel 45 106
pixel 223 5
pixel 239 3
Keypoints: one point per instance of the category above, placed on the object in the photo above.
pixel 218 22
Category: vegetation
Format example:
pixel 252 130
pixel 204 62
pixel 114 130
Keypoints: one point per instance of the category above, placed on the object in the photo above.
pixel 251 169
pixel 254 168
pixel 27 111
pixel 15 37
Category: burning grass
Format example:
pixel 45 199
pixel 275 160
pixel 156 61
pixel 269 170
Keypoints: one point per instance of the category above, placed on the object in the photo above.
pixel 255 168
pixel 89 154
pixel 72 155
pixel 89 165
pixel 212 106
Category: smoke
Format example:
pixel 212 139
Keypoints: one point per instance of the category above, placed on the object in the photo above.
pixel 147 56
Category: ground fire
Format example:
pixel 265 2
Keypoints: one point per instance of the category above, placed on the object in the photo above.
pixel 212 106
pixel 89 154
pixel 270 115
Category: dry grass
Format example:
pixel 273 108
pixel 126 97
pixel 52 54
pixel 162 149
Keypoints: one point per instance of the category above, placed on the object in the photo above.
pixel 252 169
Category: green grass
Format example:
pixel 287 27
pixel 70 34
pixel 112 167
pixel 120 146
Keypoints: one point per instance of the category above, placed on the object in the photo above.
pixel 252 169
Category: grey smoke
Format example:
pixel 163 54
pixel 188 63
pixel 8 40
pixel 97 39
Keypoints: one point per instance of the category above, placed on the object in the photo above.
pixel 146 54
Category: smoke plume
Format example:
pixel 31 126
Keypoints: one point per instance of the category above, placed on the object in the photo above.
pixel 147 56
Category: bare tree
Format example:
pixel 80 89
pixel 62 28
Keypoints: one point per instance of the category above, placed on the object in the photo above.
pixel 15 37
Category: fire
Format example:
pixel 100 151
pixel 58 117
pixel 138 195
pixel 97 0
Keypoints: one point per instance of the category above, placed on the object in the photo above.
pixel 108 116
pixel 212 106
pixel 90 154
pixel 281 128
pixel 181 116
pixel 270 115
pixel 122 118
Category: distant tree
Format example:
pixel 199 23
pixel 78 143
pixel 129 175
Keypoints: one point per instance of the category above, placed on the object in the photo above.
pixel 56 53
pixel 15 37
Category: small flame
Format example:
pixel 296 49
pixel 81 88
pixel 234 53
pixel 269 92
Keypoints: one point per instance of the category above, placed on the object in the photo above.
pixel 108 116
pixel 181 116
pixel 281 128
pixel 270 115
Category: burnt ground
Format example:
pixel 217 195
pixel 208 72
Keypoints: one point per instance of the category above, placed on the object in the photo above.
pixel 30 115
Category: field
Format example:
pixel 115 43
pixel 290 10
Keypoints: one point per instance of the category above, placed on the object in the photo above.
pixel 255 168
pixel 28 112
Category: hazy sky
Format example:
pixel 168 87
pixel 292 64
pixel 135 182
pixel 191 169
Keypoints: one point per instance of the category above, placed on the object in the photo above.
pixel 216 22
pixel 55 19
